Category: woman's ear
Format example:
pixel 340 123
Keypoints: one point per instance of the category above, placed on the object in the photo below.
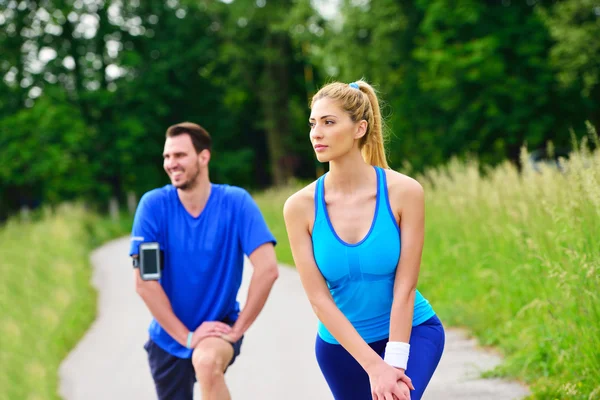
pixel 361 129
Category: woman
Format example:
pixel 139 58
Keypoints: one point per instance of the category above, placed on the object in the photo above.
pixel 357 236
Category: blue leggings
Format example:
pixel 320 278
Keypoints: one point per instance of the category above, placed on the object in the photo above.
pixel 347 380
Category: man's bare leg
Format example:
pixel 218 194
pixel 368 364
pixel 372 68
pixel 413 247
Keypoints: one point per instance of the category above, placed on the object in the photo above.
pixel 210 359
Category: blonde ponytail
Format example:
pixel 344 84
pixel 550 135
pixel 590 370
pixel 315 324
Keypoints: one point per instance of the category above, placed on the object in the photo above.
pixel 373 150
pixel 359 100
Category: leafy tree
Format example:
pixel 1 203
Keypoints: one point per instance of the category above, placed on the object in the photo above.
pixel 42 155
pixel 575 27
pixel 460 78
pixel 267 82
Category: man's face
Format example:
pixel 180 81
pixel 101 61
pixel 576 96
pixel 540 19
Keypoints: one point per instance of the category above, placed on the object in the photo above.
pixel 181 162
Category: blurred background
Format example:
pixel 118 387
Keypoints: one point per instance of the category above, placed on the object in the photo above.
pixel 491 104
pixel 89 87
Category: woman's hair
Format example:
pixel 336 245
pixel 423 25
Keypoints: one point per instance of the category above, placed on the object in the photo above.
pixel 359 100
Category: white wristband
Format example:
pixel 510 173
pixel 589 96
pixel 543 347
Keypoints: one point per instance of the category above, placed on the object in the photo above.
pixel 396 354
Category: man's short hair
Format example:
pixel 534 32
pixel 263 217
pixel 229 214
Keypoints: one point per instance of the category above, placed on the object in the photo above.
pixel 200 137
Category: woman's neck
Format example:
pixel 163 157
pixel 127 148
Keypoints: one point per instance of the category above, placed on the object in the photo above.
pixel 349 173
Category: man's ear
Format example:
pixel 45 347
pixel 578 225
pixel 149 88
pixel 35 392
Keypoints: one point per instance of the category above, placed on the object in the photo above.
pixel 361 129
pixel 204 157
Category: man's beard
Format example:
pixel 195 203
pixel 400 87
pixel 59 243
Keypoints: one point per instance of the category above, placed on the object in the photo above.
pixel 190 183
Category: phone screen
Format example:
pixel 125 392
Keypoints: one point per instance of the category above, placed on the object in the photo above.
pixel 150 261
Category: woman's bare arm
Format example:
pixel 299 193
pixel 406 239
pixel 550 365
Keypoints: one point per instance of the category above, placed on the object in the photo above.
pixel 297 210
pixel 409 195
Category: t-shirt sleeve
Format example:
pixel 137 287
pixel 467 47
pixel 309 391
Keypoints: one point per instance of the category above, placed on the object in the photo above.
pixel 253 229
pixel 145 223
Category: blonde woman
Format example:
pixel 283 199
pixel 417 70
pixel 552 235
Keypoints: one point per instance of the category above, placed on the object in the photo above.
pixel 357 236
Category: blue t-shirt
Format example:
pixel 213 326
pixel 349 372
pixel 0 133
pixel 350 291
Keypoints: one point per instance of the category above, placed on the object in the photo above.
pixel 203 256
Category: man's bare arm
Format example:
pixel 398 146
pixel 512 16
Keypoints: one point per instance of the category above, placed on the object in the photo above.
pixel 160 307
pixel 265 274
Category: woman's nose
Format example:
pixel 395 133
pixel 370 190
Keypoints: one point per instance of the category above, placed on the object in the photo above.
pixel 315 132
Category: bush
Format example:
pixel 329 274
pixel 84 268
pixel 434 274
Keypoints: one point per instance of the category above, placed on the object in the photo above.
pixel 46 296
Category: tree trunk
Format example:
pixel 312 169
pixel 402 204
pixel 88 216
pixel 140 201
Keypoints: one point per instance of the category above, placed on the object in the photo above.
pixel 274 97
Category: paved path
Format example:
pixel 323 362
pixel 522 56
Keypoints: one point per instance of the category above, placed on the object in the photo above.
pixel 277 360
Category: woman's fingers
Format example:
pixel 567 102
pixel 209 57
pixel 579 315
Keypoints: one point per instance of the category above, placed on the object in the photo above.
pixel 408 381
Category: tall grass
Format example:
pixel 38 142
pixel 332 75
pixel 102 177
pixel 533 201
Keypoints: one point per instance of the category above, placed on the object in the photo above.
pixel 46 298
pixel 515 257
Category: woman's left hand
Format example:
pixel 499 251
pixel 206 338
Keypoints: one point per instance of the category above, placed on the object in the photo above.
pixel 405 379
pixel 404 389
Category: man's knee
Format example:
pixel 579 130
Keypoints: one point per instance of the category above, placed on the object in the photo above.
pixel 208 366
pixel 210 360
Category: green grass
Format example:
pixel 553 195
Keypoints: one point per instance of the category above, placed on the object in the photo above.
pixel 514 257
pixel 46 297
pixel 271 203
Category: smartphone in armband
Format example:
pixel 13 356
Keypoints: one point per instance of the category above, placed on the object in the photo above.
pixel 150 261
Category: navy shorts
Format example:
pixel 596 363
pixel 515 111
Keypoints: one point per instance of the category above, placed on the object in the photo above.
pixel 174 377
pixel 347 380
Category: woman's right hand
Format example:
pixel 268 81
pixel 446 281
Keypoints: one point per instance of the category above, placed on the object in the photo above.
pixel 385 383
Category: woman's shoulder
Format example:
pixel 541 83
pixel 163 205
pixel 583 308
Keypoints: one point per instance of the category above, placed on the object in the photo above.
pixel 301 202
pixel 401 185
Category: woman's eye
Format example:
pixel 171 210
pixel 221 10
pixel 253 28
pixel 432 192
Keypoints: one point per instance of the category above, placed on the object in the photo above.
pixel 311 124
pixel 328 122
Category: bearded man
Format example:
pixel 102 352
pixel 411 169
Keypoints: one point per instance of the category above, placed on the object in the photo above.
pixel 204 231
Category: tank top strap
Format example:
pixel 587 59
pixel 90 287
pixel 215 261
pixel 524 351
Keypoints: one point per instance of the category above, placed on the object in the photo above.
pixel 319 197
pixel 385 198
pixel 381 184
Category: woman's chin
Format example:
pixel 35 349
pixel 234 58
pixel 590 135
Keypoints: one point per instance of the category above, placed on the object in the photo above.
pixel 323 158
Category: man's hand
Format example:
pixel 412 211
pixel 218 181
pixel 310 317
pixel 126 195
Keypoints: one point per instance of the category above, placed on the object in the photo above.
pixel 209 329
pixel 232 336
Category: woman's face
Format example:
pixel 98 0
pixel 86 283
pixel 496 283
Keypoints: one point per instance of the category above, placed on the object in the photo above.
pixel 332 131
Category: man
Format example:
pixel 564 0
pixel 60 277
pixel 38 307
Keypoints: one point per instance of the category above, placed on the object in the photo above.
pixel 204 230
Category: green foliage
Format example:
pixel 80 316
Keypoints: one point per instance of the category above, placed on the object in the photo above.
pixel 574 25
pixel 40 147
pixel 83 111
pixel 46 296
pixel 469 56
pixel 265 83
pixel 472 78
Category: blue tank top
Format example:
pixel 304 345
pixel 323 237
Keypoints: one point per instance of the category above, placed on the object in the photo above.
pixel 361 276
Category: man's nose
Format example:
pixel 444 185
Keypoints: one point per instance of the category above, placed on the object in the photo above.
pixel 169 163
